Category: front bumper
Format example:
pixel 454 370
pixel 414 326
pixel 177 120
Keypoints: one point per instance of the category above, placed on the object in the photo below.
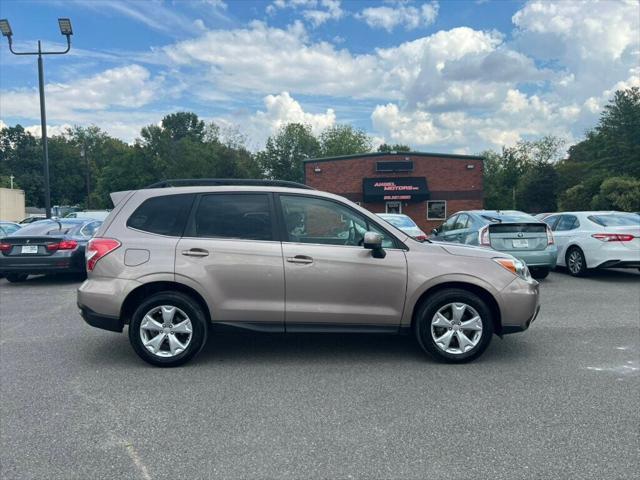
pixel 519 305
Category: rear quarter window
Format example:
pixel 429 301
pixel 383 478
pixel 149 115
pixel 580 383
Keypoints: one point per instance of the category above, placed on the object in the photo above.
pixel 164 215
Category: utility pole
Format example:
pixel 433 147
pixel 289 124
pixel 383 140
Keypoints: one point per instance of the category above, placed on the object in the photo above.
pixel 65 29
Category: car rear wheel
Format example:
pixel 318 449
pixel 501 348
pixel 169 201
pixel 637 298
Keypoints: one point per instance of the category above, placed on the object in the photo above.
pixel 17 277
pixel 168 329
pixel 576 263
pixel 454 326
pixel 539 272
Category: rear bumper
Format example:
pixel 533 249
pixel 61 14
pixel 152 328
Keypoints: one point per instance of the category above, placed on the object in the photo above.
pixel 105 322
pixel 613 255
pixel 57 263
pixel 541 258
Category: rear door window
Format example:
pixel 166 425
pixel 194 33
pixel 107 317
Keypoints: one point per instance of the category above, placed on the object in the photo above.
pixel 165 215
pixel 242 216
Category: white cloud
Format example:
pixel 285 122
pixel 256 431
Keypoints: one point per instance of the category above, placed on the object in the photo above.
pixel 316 12
pixel 125 87
pixel 330 10
pixel 278 111
pixel 408 16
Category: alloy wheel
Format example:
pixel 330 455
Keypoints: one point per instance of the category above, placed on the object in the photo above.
pixel 456 328
pixel 166 331
pixel 575 262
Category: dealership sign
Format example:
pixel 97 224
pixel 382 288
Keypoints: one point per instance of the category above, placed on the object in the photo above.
pixel 408 189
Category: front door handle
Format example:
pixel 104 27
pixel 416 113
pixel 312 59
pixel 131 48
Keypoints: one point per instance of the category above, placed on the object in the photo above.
pixel 300 259
pixel 195 252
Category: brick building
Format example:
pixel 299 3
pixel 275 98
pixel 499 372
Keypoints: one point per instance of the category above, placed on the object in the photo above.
pixel 428 187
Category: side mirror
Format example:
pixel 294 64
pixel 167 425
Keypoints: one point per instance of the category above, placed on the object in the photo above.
pixel 373 241
pixel 434 231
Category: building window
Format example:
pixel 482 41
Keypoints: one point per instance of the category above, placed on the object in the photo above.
pixel 393 207
pixel 436 210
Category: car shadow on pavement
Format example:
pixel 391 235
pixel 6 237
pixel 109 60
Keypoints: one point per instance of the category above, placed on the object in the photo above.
pixel 43 280
pixel 626 275
pixel 245 348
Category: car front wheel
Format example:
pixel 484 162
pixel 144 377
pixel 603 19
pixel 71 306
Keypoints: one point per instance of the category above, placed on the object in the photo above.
pixel 576 263
pixel 454 325
pixel 168 329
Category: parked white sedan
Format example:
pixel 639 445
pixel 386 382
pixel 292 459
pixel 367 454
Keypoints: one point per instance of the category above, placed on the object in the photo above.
pixel 588 240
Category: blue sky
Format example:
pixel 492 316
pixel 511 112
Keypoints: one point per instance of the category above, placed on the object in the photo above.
pixel 451 76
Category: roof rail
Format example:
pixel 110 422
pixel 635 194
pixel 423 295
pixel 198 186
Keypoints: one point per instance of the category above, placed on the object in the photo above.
pixel 215 182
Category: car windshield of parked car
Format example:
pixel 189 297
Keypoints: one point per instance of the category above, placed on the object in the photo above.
pixel 616 220
pixel 399 222
pixel 47 228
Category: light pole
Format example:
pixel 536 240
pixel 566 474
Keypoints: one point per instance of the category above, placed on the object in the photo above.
pixel 65 29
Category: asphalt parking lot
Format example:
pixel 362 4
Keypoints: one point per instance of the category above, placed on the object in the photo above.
pixel 559 401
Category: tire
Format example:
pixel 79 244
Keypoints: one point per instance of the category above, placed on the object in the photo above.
pixel 17 277
pixel 539 273
pixel 443 302
pixel 159 307
pixel 576 263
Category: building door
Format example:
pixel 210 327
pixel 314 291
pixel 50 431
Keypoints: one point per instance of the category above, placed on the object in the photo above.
pixel 393 207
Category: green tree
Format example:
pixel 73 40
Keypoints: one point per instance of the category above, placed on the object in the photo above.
pixel 21 156
pixel 394 148
pixel 575 198
pixel 536 190
pixel 284 152
pixel 505 182
pixel 343 140
pixel 618 193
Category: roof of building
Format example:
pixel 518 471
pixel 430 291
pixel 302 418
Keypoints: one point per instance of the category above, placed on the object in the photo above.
pixel 399 154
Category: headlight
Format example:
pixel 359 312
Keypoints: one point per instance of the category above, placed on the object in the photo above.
pixel 515 266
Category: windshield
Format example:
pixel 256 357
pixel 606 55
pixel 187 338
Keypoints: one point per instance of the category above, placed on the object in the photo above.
pixel 47 228
pixel 616 220
pixel 399 221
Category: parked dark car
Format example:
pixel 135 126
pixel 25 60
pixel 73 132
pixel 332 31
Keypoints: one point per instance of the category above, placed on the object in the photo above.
pixel 46 246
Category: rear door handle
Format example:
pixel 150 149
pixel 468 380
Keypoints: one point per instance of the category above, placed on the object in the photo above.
pixel 195 252
pixel 300 259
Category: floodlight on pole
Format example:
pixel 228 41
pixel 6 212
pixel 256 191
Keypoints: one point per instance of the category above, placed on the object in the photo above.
pixel 5 28
pixel 65 26
pixel 65 29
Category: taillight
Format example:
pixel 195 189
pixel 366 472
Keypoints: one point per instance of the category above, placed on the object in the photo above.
pixel 64 245
pixel 484 236
pixel 5 247
pixel 613 237
pixel 98 248
pixel 549 237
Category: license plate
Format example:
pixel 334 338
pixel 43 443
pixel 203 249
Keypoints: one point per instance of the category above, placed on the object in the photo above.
pixel 519 243
pixel 29 249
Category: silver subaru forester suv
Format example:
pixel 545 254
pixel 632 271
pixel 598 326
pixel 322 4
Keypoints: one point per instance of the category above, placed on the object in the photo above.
pixel 175 262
